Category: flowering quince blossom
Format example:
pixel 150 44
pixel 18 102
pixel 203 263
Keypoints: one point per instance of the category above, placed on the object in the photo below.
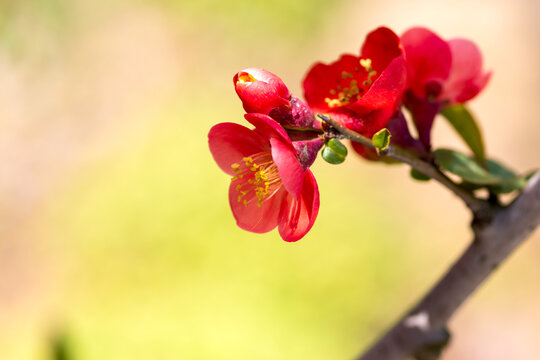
pixel 265 93
pixel 361 92
pixel 440 73
pixel 271 185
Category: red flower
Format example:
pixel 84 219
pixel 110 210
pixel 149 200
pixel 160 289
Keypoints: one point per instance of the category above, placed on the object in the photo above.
pixel 440 73
pixel 447 71
pixel 270 186
pixel 363 92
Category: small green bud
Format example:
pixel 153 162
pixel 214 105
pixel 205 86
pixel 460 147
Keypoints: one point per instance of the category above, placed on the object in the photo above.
pixel 381 139
pixel 334 152
pixel 337 146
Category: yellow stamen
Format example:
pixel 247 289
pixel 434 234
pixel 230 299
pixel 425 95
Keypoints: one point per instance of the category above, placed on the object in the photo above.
pixel 353 92
pixel 366 64
pixel 263 178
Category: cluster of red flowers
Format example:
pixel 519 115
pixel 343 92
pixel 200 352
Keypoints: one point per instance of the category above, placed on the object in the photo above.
pixel 272 185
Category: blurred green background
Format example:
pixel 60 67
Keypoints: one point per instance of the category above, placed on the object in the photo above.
pixel 117 241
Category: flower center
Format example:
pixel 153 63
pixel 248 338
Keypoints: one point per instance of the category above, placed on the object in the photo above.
pixel 352 92
pixel 257 178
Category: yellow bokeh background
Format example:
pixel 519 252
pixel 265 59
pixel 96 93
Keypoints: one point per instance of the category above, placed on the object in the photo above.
pixel 116 238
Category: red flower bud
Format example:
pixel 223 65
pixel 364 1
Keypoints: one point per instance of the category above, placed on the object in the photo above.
pixel 265 93
pixel 261 91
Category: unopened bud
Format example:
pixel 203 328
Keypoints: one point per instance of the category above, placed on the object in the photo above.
pixel 334 152
pixel 261 91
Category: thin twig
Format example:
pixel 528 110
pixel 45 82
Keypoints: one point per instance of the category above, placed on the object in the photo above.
pixel 479 207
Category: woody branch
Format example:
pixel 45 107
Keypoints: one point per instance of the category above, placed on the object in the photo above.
pixel 421 332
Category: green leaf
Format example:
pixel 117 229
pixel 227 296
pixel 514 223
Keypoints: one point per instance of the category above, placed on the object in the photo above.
pixel 498 178
pixel 465 125
pixel 334 152
pixel 418 175
pixel 381 139
pixel 510 181
pixel 465 167
pixel 500 170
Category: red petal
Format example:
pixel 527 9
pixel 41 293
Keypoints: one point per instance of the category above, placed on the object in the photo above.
pixel 372 111
pixel 298 213
pixel 466 78
pixel 428 58
pixel 381 46
pixel 322 79
pixel 252 217
pixel 269 128
pixel 472 88
pixel 289 168
pixel 386 90
pixel 230 142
